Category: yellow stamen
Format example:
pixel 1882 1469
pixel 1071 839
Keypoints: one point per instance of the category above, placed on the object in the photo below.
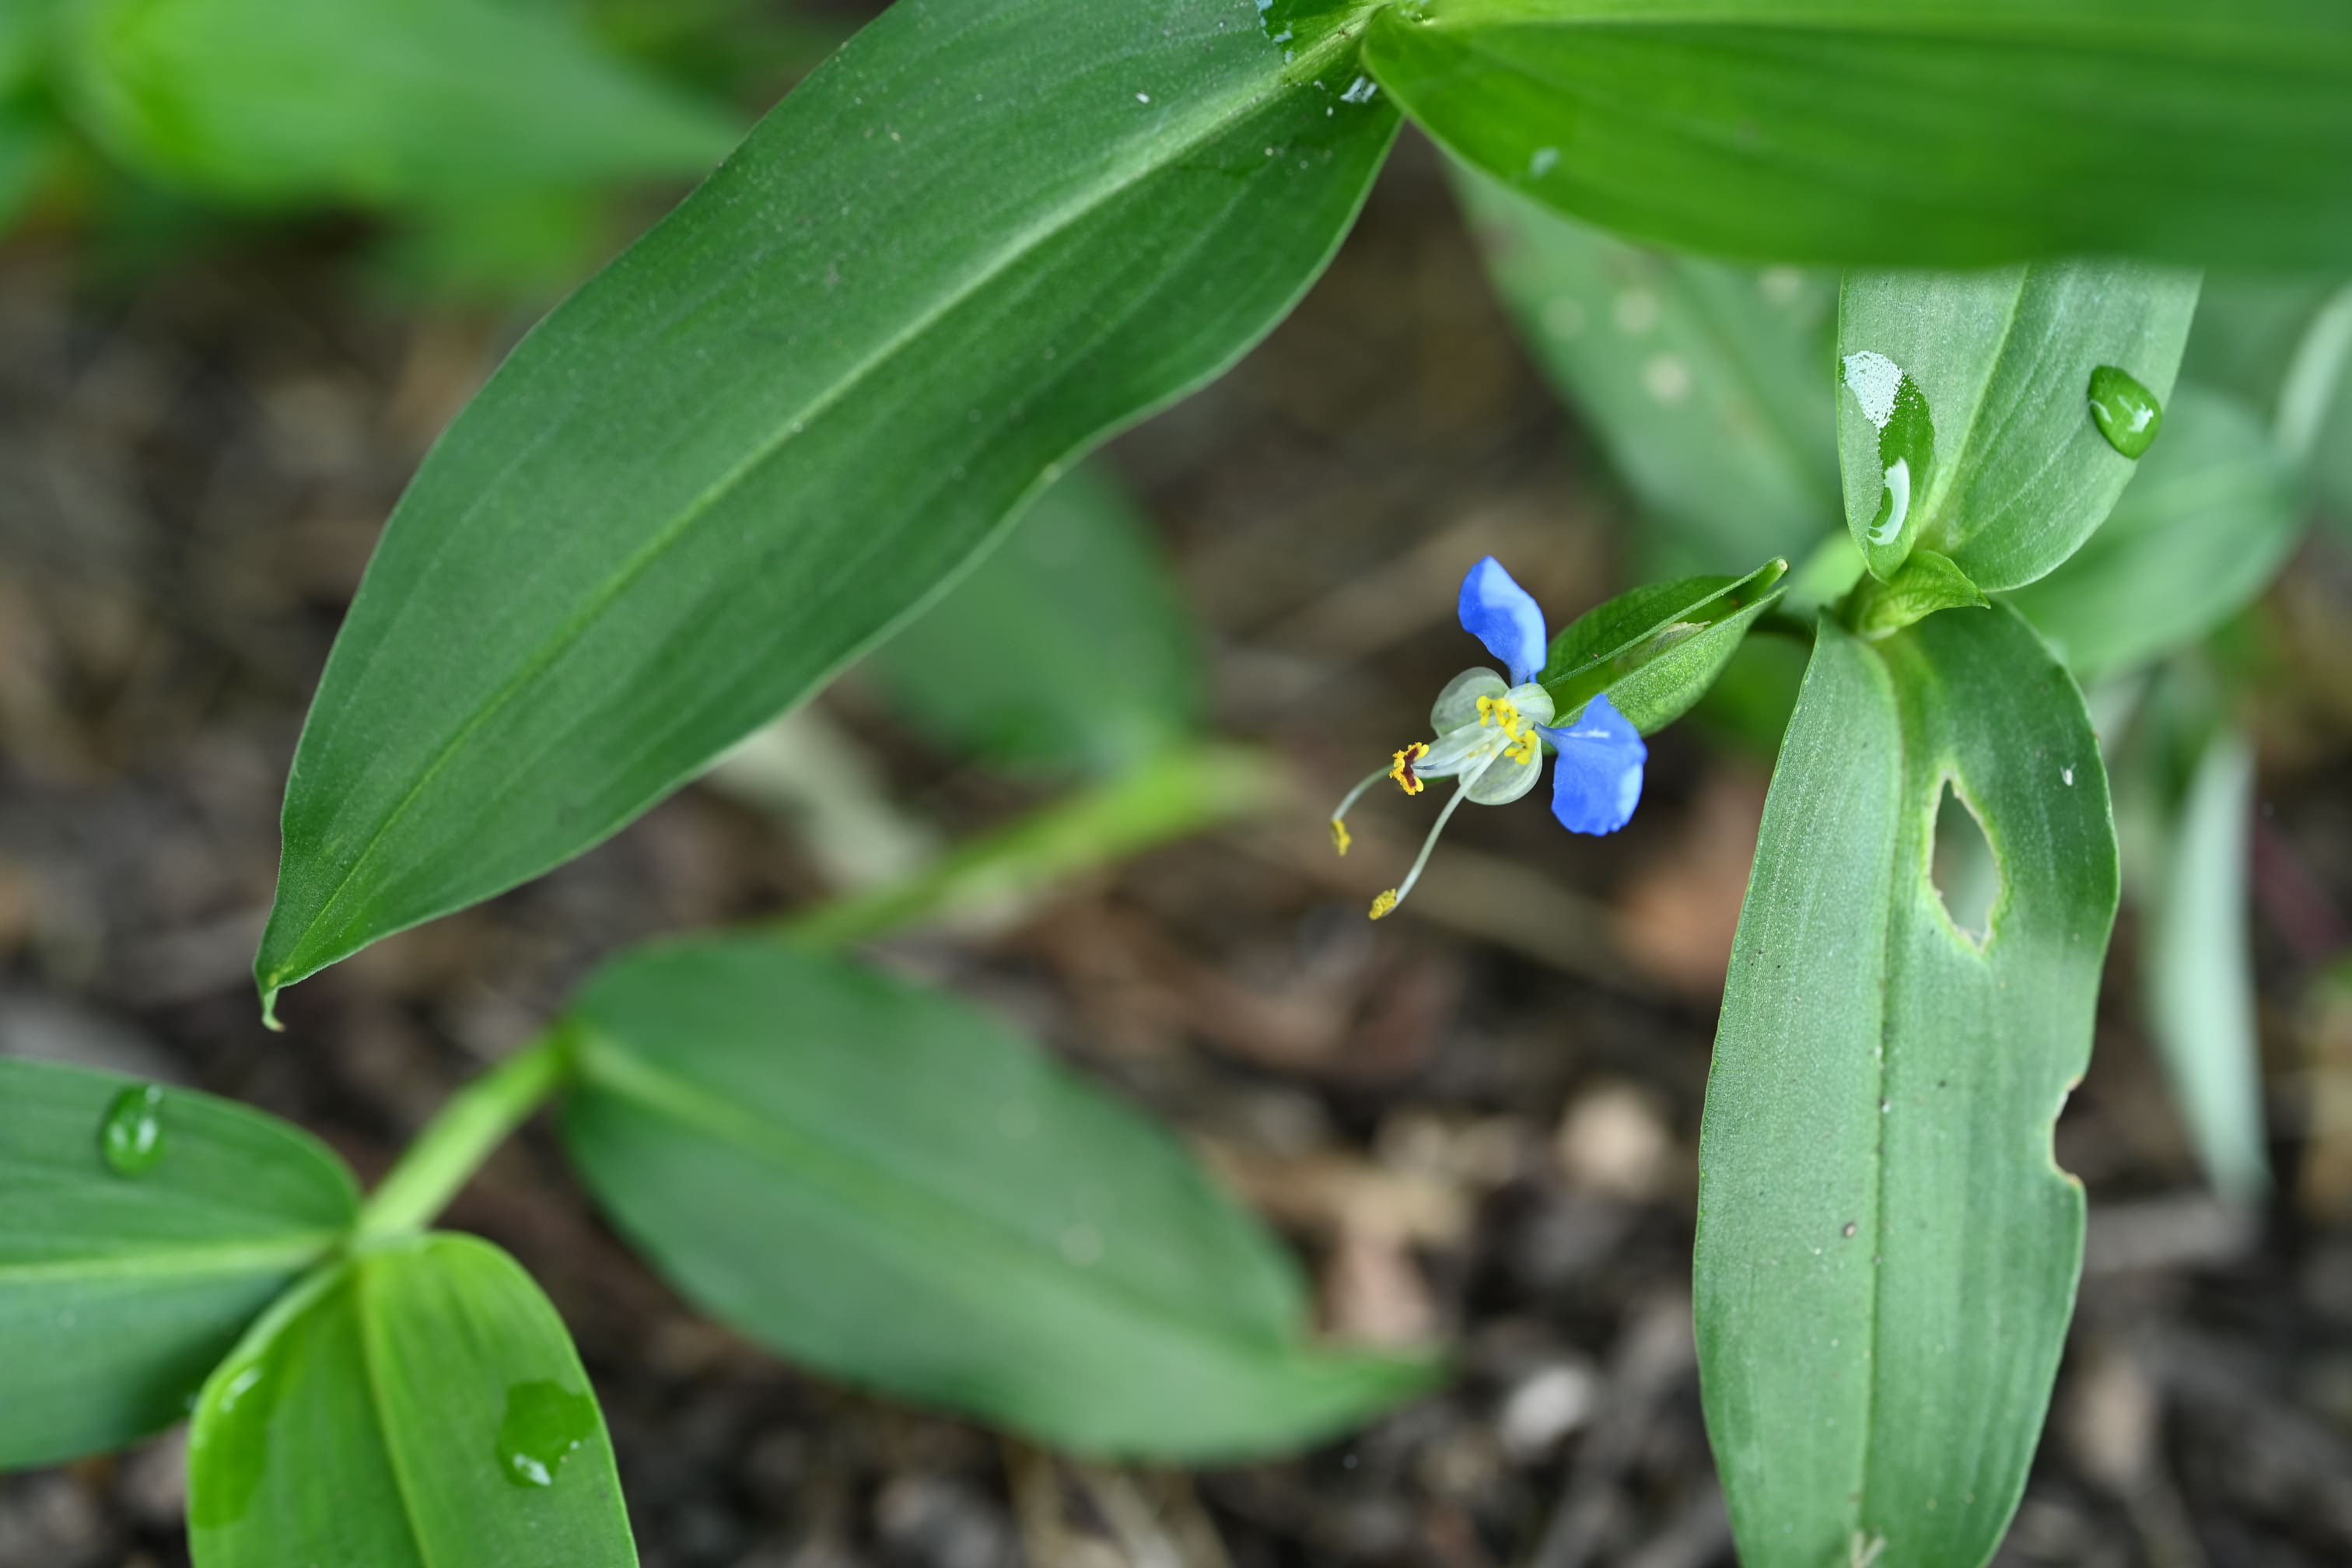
pixel 1402 771
pixel 1502 710
pixel 1340 839
pixel 1384 904
pixel 1524 751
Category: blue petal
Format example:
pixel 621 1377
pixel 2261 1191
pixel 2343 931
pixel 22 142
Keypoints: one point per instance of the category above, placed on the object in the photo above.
pixel 1597 781
pixel 1505 617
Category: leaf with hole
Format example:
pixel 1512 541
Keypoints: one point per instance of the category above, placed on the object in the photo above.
pixel 124 1280
pixel 1887 1252
pixel 416 1404
pixel 1964 418
pixel 891 1187
pixel 1066 647
pixel 1701 382
pixel 782 421
pixel 1915 134
pixel 2199 535
pixel 1656 650
pixel 381 102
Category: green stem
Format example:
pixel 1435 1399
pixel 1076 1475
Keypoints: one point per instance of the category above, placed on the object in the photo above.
pixel 456 1142
pixel 1175 795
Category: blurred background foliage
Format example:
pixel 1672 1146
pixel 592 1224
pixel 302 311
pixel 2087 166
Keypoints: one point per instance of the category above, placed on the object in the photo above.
pixel 256 253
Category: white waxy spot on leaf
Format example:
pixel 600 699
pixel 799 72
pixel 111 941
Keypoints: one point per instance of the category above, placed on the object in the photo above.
pixel 1082 1245
pixel 1565 317
pixel 1636 312
pixel 1667 378
pixel 1544 161
pixel 1874 379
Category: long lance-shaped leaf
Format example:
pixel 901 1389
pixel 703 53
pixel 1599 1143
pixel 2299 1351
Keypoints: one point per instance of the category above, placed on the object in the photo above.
pixel 1902 133
pixel 1886 1250
pixel 985 234
pixel 892 1189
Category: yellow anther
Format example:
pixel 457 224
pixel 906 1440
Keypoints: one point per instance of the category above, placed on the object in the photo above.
pixel 1501 711
pixel 1402 771
pixel 1524 751
pixel 1384 904
pixel 1340 839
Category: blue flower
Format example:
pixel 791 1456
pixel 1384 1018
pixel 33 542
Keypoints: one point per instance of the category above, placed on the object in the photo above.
pixel 1491 734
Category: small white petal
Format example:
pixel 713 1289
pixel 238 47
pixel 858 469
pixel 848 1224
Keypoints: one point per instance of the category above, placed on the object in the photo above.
pixel 1533 702
pixel 1458 704
pixel 1506 779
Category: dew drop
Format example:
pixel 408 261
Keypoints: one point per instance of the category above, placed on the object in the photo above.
pixel 131 1136
pixel 1544 161
pixel 544 1423
pixel 2126 413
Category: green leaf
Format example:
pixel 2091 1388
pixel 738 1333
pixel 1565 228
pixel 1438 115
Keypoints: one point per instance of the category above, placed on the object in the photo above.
pixel 29 144
pixel 1887 1252
pixel 891 1187
pixel 1964 423
pixel 2195 540
pixel 1924 134
pixel 118 1293
pixel 1066 646
pixel 1701 382
pixel 1657 650
pixel 780 421
pixel 2285 344
pixel 417 1405
pixel 380 102
pixel 23 24
pixel 2197 967
pixel 1926 584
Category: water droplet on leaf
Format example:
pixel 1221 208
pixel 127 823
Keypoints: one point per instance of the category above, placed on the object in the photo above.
pixel 2126 413
pixel 131 1136
pixel 543 1424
